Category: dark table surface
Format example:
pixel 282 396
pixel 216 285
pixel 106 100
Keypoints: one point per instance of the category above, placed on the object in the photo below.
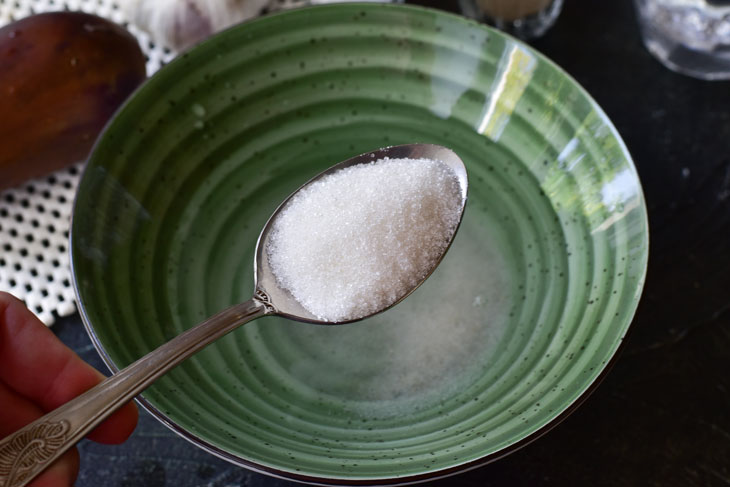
pixel 662 415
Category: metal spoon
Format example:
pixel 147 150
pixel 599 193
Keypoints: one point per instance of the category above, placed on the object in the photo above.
pixel 27 452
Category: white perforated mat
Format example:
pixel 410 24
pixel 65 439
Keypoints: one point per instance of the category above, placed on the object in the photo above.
pixel 35 217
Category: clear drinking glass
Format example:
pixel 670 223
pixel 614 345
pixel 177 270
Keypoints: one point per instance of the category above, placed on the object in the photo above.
pixel 688 36
pixel 525 19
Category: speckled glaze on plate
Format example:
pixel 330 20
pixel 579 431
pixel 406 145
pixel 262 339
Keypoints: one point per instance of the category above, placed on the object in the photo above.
pixel 523 317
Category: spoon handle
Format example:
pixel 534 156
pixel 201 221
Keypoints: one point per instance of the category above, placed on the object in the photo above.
pixel 27 452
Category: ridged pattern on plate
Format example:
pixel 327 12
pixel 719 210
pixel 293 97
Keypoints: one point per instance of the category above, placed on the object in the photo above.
pixel 526 311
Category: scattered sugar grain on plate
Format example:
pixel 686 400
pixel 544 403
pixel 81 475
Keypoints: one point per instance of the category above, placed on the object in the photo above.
pixel 357 240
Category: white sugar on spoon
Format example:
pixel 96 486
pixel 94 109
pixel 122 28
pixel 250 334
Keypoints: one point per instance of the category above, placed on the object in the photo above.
pixel 357 240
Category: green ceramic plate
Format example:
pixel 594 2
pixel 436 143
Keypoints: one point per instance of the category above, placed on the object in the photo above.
pixel 525 314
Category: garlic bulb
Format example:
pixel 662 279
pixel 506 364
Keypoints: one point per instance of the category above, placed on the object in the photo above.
pixel 181 23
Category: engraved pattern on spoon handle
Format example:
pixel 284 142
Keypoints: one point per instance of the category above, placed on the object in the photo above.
pixel 32 445
pixel 27 452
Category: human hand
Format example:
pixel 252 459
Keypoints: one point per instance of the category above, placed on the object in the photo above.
pixel 38 373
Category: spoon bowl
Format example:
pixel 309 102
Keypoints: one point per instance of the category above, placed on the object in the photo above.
pixel 281 301
pixel 63 427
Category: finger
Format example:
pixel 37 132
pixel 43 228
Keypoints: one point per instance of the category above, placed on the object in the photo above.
pixel 17 412
pixel 38 366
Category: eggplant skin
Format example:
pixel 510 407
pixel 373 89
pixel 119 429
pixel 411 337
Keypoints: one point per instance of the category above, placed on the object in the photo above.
pixel 62 76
